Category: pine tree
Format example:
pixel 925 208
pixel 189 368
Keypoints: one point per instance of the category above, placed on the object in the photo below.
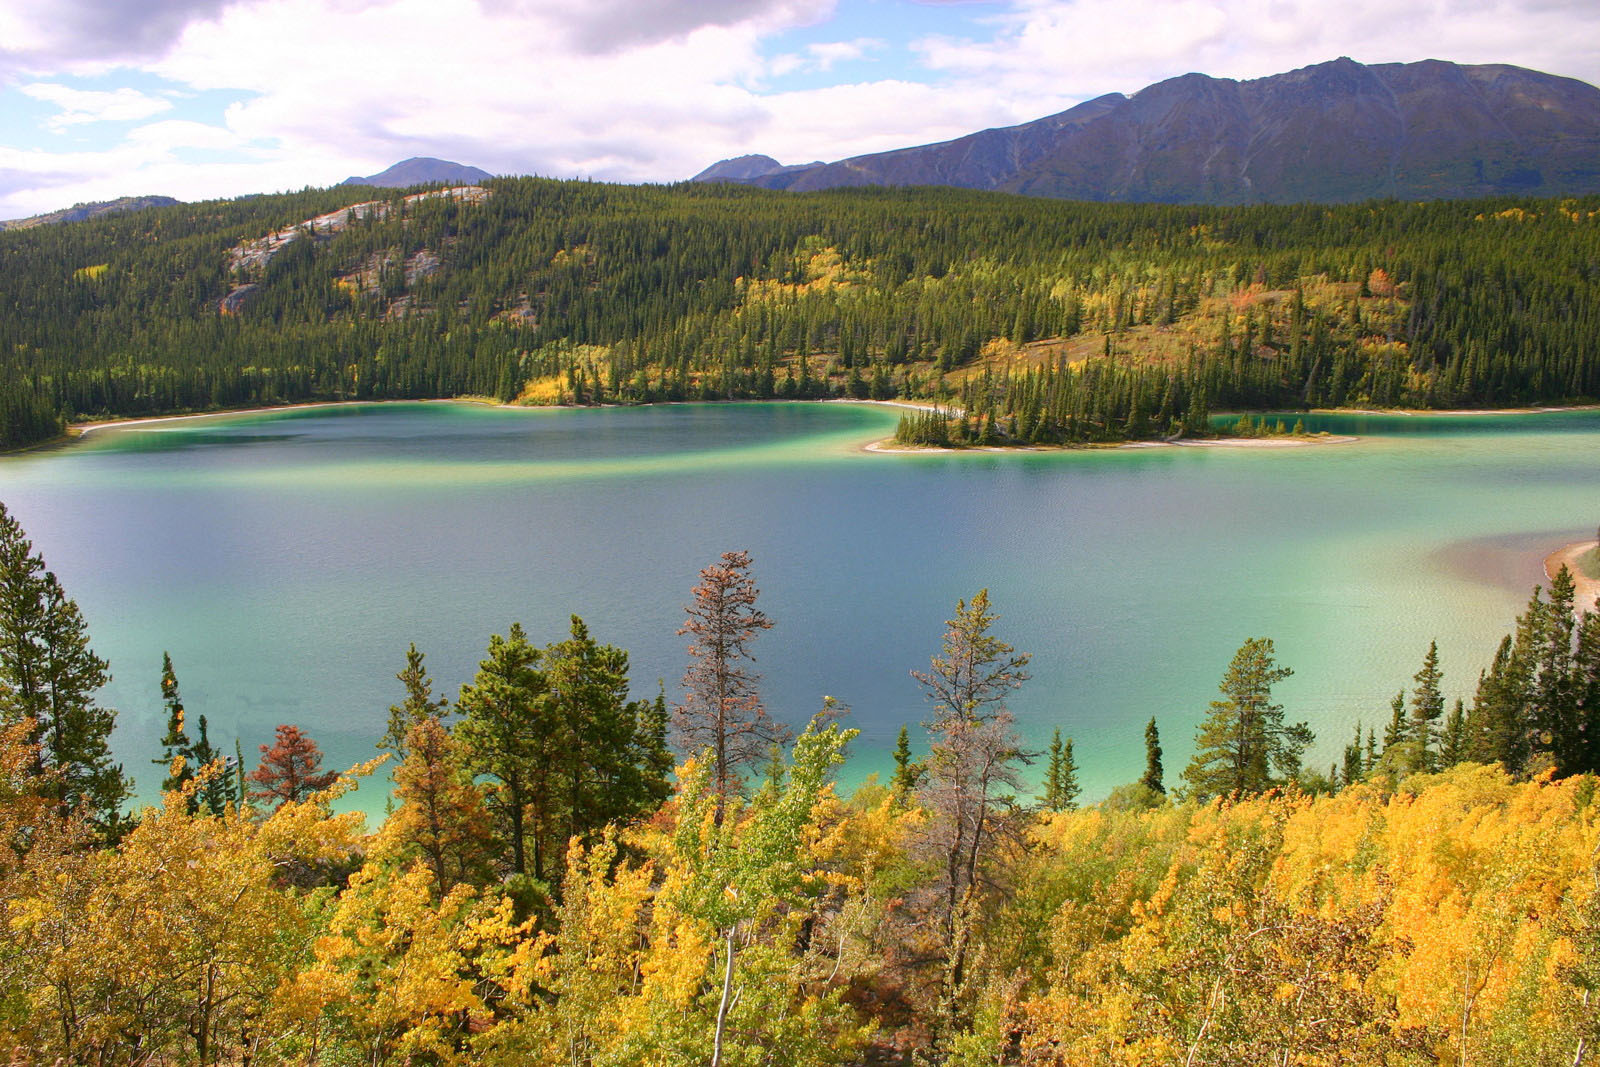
pixel 907 772
pixel 1396 733
pixel 217 794
pixel 1067 788
pixel 1244 746
pixel 290 769
pixel 1153 775
pixel 175 743
pixel 722 709
pixel 504 734
pixel 1555 718
pixel 1354 767
pixel 1427 707
pixel 1453 741
pixel 1051 797
pixel 419 704
pixel 442 816
pixel 972 773
pixel 48 677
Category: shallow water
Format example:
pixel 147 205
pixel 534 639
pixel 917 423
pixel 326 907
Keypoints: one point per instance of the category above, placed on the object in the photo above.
pixel 286 559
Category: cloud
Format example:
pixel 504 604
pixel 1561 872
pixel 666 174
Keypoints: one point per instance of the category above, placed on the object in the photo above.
pixel 79 106
pixel 1086 47
pixel 605 26
pixel 41 34
pixel 655 90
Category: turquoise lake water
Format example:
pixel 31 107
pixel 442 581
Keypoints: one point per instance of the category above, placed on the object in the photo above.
pixel 286 559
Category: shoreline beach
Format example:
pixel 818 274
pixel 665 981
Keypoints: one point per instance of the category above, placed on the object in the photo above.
pixel 1586 589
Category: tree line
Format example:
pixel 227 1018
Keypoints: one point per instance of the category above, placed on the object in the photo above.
pixel 1055 322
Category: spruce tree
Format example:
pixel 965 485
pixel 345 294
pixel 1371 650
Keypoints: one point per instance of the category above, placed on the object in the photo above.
pixel 175 743
pixel 1354 766
pixel 722 710
pixel 1051 797
pixel 1244 746
pixel 419 704
pixel 1153 774
pixel 906 770
pixel 503 735
pixel 1395 732
pixel 48 676
pixel 1067 788
pixel 1427 707
pixel 1453 741
pixel 217 794
pixel 291 768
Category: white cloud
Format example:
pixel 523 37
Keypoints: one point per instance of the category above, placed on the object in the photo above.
pixel 79 106
pixel 826 53
pixel 1087 47
pixel 653 90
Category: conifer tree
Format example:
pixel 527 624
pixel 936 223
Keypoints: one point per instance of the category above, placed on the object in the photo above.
pixel 1153 775
pixel 442 816
pixel 48 677
pixel 218 793
pixel 1354 766
pixel 722 709
pixel 907 772
pixel 504 732
pixel 1244 746
pixel 1066 776
pixel 1395 732
pixel 1453 741
pixel 290 769
pixel 175 742
pixel 972 772
pixel 1427 707
pixel 1555 722
pixel 1051 798
pixel 605 745
pixel 419 704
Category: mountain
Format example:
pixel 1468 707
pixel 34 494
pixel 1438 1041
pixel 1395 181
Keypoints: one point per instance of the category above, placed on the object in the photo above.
pixel 738 169
pixel 1334 132
pixel 422 170
pixel 80 212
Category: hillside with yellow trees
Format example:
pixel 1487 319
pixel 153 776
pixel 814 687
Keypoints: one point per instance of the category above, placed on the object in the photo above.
pixel 1435 904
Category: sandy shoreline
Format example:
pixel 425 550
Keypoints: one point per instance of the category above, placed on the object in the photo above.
pixel 83 429
pixel 883 446
pixel 1587 589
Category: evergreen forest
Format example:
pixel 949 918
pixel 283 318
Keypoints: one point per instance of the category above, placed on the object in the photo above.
pixel 1025 320
pixel 570 874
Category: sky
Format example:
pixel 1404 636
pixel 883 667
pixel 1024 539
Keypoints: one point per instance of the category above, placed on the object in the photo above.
pixel 209 98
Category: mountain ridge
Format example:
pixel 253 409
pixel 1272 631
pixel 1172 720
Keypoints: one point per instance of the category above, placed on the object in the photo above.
pixel 91 210
pixel 421 170
pixel 1338 131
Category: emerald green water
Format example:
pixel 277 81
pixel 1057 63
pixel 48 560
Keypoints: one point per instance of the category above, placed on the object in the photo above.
pixel 286 559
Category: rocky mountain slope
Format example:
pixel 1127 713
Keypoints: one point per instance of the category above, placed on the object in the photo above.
pixel 80 212
pixel 1334 132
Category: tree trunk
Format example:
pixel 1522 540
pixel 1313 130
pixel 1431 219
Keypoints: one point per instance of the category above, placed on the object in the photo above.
pixel 722 1008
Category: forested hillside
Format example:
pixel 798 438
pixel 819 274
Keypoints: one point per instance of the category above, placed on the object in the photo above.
pixel 1050 321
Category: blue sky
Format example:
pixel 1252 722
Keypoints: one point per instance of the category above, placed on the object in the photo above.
pixel 205 98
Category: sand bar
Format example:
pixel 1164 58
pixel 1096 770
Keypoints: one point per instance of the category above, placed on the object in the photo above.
pixel 1587 589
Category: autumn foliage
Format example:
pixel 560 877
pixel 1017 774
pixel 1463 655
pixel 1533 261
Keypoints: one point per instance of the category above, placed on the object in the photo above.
pixel 291 768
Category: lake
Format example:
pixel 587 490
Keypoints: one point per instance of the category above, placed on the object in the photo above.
pixel 286 559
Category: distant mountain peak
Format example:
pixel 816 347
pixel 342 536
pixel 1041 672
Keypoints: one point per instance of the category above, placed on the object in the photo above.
pixel 1336 131
pixel 422 170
